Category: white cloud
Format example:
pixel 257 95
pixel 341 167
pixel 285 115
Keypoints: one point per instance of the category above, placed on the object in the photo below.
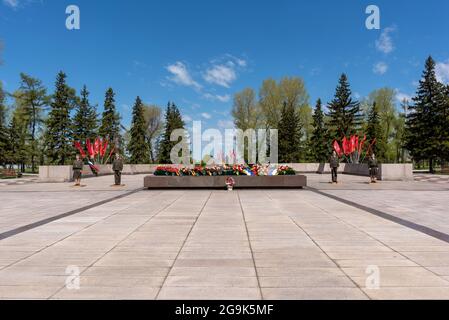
pixel 225 124
pixel 400 96
pixel 380 68
pixel 217 97
pixel 442 72
pixel 242 63
pixel 186 118
pixel 126 107
pixel 224 70
pixel 181 75
pixel 206 115
pixel 222 75
pixel 231 60
pixel 11 3
pixel 385 42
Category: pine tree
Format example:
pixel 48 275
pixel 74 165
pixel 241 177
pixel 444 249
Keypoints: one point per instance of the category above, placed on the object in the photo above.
pixel 344 112
pixel 289 135
pixel 18 151
pixel 110 122
pixel 375 131
pixel 164 143
pixel 173 120
pixel 2 105
pixel 445 124
pixel 319 142
pixel 4 139
pixel 58 137
pixel 138 146
pixel 427 121
pixel 85 122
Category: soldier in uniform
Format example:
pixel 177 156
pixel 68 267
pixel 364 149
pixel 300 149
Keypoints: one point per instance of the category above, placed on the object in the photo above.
pixel 373 167
pixel 77 167
pixel 334 164
pixel 117 167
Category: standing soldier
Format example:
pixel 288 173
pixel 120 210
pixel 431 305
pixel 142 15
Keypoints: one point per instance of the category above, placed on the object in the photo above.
pixel 373 167
pixel 117 166
pixel 334 164
pixel 77 167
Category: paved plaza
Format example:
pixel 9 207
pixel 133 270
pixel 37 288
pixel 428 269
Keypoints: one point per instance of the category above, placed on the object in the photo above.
pixel 324 242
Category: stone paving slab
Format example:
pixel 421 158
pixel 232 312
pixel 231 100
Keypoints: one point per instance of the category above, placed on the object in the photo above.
pixel 201 244
pixel 209 293
pixel 108 293
pixel 313 294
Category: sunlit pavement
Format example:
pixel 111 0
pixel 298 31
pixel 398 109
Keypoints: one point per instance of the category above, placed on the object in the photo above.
pixel 353 240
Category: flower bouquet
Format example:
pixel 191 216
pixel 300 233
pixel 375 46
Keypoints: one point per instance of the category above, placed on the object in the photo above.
pixel 230 182
pixel 166 171
pixel 285 171
pixel 225 170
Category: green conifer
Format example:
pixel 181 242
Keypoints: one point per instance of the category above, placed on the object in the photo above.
pixel 138 146
pixel 344 112
pixel 289 135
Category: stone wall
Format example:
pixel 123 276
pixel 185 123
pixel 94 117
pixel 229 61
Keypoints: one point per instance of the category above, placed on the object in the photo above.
pixel 65 173
pixel 396 172
pixel 386 171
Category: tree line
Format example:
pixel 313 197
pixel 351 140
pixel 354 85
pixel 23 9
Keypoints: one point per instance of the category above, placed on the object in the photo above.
pixel 416 130
pixel 40 128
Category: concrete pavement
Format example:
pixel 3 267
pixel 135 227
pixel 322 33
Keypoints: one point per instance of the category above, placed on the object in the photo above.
pixel 201 244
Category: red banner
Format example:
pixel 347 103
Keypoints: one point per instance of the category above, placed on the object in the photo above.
pixel 80 149
pixel 97 146
pixel 337 148
pixel 103 148
pixel 90 148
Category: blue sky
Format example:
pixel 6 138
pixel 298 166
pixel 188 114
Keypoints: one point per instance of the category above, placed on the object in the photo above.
pixel 199 53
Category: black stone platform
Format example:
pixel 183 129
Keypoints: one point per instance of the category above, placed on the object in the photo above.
pixel 219 182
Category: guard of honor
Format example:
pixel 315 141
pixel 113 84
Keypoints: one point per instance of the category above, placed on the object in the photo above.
pixel 373 165
pixel 334 164
pixel 373 168
pixel 117 167
pixel 77 170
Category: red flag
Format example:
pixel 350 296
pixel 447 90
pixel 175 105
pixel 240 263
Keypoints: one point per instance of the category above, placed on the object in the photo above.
pixel 90 148
pixel 97 146
pixel 93 167
pixel 345 146
pixel 352 144
pixel 110 154
pixel 361 144
pixel 103 148
pixel 80 149
pixel 337 148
